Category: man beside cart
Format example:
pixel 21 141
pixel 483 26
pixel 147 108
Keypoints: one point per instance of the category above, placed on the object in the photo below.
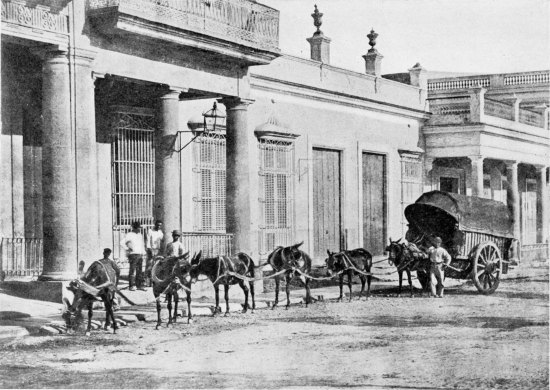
pixel 438 258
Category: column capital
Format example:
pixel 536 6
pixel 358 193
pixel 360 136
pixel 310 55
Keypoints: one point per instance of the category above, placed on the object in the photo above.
pixel 173 93
pixel 511 163
pixel 476 158
pixel 236 103
pixel 540 167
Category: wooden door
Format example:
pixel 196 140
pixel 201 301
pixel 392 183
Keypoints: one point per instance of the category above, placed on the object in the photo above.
pixel 326 202
pixel 374 203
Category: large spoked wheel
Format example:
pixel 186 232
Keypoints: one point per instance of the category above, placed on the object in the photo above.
pixel 487 267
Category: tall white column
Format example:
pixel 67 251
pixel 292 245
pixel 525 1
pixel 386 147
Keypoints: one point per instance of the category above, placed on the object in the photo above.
pixel 542 203
pixel 428 177
pixel 477 175
pixel 513 195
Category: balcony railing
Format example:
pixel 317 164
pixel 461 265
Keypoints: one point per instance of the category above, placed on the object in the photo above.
pixel 21 257
pixel 531 118
pixel 499 109
pixel 244 22
pixel 489 81
pixel 211 244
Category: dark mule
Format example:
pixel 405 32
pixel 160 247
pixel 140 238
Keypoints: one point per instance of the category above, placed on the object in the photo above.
pixel 290 259
pixel 217 269
pixel 169 275
pixel 349 263
pixel 98 283
pixel 407 257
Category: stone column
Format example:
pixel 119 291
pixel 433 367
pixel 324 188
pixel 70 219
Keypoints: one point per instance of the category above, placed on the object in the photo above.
pixel 238 181
pixel 58 171
pixel 167 172
pixel 513 195
pixel 477 175
pixel 87 189
pixel 542 203
pixel 516 106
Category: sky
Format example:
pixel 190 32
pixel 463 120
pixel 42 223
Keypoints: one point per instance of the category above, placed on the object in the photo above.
pixel 478 36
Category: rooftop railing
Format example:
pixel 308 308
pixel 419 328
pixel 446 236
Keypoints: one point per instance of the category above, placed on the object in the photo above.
pixel 489 81
pixel 240 21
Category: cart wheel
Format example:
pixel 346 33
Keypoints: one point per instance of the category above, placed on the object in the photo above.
pixel 487 267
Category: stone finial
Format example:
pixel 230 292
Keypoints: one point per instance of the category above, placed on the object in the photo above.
pixel 317 22
pixel 372 40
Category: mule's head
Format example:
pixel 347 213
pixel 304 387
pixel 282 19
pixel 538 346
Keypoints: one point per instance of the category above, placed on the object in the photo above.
pixel 182 269
pixel 334 263
pixel 294 254
pixel 73 312
pixel 394 250
pixel 194 266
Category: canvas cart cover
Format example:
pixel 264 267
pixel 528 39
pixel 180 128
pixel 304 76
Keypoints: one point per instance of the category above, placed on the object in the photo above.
pixel 443 211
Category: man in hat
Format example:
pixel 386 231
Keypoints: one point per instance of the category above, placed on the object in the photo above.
pixel 175 248
pixel 134 245
pixel 155 246
pixel 438 257
pixel 106 260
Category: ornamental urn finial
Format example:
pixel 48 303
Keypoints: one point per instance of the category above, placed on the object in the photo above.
pixel 372 40
pixel 317 22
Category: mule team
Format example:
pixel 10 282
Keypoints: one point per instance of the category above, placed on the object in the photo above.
pixel 174 273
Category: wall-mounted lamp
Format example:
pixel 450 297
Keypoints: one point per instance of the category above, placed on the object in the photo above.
pixel 210 121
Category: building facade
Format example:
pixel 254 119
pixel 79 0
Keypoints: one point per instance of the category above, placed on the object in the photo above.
pixel 100 101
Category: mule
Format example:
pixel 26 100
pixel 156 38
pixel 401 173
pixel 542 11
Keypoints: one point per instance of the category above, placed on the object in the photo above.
pixel 407 257
pixel 98 283
pixel 168 276
pixel 349 263
pixel 292 261
pixel 217 269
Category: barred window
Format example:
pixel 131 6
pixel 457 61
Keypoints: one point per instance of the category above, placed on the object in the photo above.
pixel 276 189
pixel 411 183
pixel 133 167
pixel 209 182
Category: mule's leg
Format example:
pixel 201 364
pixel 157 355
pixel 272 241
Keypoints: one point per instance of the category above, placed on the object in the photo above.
pixel 410 282
pixel 363 280
pixel 277 284
pixel 308 292
pixel 251 284
pixel 90 314
pixel 369 278
pixel 226 296
pixel 245 290
pixel 176 300
pixel 110 314
pixel 169 306
pixel 288 278
pixel 189 317
pixel 159 321
pixel 341 276
pixel 217 293
pixel 400 282
pixel 350 277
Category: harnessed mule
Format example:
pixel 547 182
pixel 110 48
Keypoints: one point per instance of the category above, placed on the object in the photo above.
pixel 219 269
pixel 98 283
pixel 294 261
pixel 169 275
pixel 407 257
pixel 353 262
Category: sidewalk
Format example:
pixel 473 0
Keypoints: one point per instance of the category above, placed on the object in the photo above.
pixel 21 317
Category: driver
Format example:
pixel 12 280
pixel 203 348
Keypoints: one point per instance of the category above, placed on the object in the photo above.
pixel 438 257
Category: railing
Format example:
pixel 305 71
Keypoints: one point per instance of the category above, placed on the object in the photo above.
pixel 531 118
pixel 21 257
pixel 458 83
pixel 241 21
pixel 211 244
pixel 270 238
pixel 542 77
pixel 37 17
pixel 540 252
pixel 499 109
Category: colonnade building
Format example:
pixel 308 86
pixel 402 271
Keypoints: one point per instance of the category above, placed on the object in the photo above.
pixel 108 118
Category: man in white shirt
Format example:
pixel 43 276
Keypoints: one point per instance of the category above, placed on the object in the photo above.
pixel 175 248
pixel 155 247
pixel 134 245
pixel 438 257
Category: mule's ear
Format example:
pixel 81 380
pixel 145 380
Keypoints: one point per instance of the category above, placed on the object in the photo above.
pixel 298 245
pixel 390 240
pixel 196 258
pixel 328 253
pixel 186 255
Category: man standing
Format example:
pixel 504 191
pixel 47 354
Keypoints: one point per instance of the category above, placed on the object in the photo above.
pixel 134 246
pixel 155 247
pixel 175 248
pixel 438 257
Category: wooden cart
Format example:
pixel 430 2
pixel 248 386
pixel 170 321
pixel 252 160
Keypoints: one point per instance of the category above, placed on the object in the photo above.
pixel 477 233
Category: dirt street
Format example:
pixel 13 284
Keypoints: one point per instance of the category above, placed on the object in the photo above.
pixel 463 341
